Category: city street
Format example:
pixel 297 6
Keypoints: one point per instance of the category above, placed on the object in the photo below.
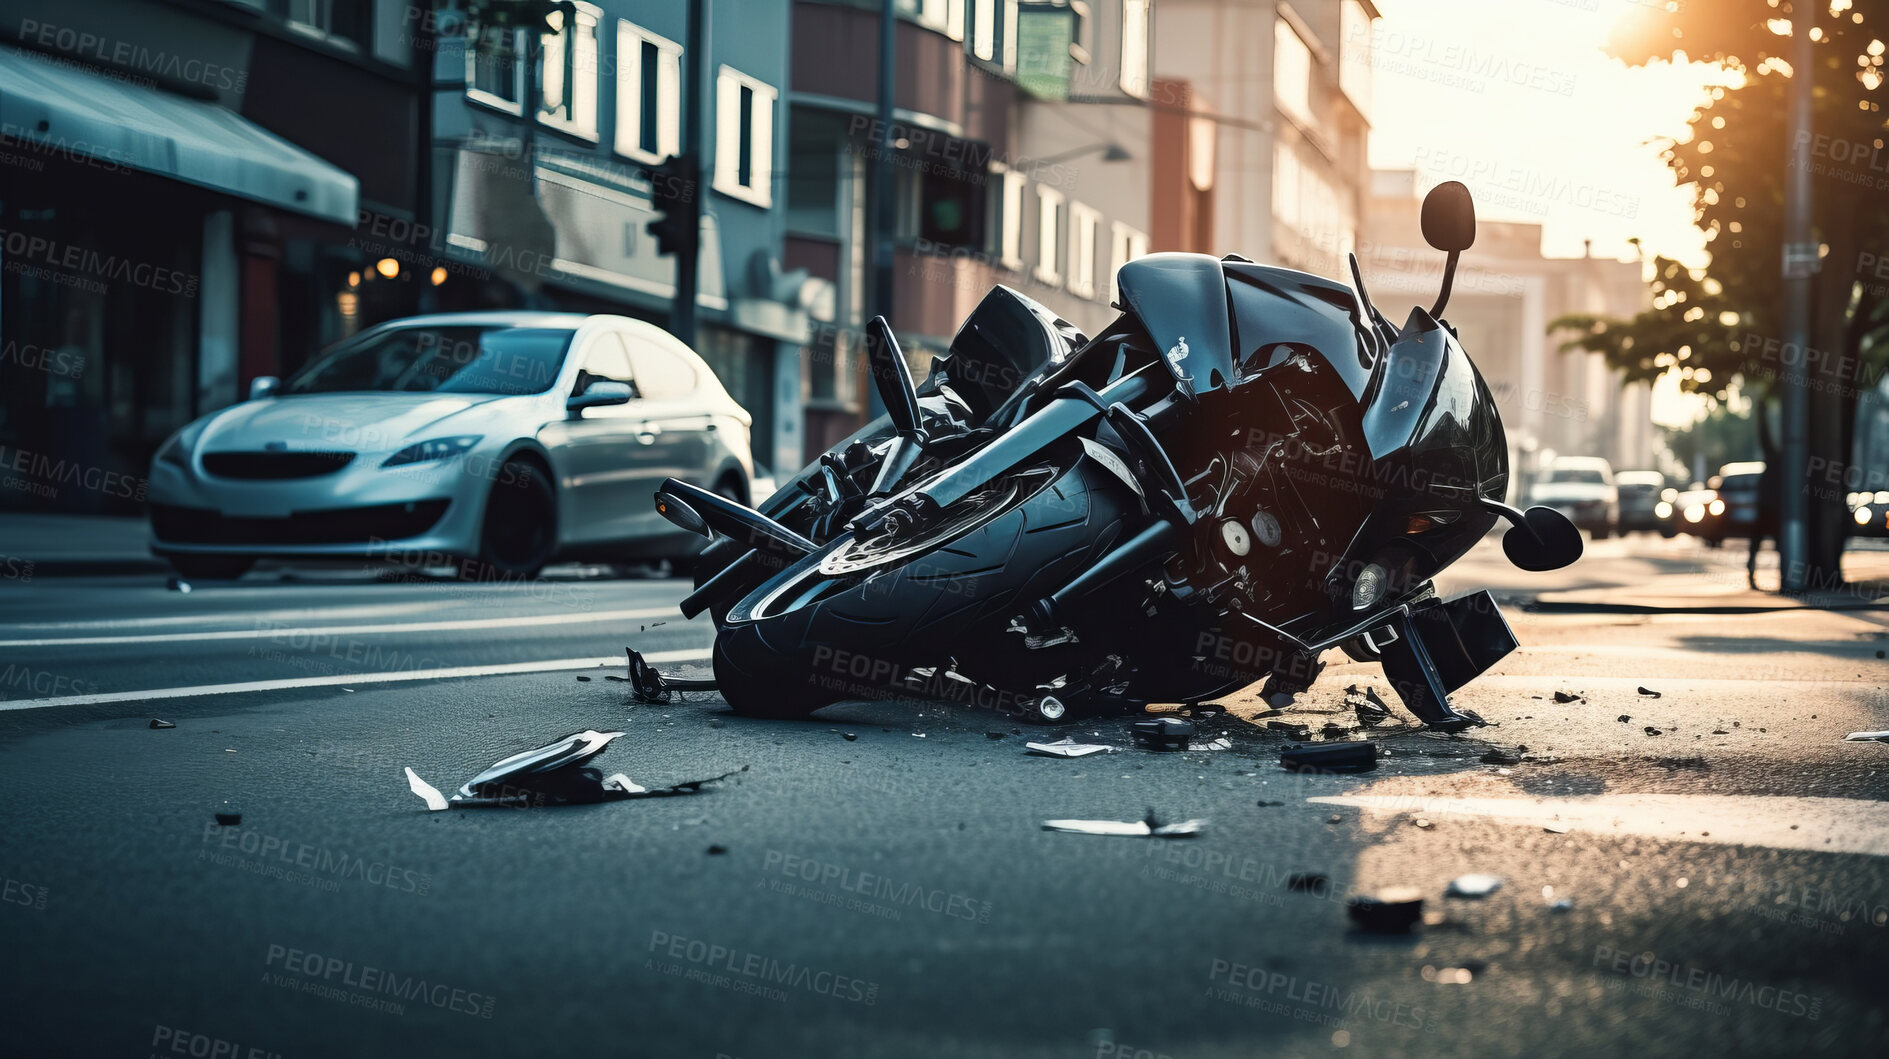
pixel 878 881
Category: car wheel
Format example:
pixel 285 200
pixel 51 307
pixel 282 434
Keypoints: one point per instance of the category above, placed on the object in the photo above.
pixel 212 567
pixel 520 528
pixel 1601 533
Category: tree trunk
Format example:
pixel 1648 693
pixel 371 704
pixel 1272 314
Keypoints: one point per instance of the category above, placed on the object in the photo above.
pixel 1830 372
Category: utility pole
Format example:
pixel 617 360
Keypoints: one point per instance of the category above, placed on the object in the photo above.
pixel 695 84
pixel 884 209
pixel 1799 264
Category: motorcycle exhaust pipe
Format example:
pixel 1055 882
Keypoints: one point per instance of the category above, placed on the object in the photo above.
pixel 1142 548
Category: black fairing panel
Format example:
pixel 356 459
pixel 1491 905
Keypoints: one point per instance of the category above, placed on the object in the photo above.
pixel 1278 312
pixel 1182 301
pixel 1004 341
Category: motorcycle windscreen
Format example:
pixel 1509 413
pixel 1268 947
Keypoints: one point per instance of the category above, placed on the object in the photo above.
pixel 1182 300
pixel 1423 393
pixel 1006 339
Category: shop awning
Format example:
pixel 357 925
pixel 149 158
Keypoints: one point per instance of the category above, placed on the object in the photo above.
pixel 73 111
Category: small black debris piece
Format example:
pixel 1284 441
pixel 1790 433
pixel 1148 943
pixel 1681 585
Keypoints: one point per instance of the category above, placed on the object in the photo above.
pixel 1305 881
pixel 1359 755
pixel 1499 756
pixel 1720 731
pixel 1371 710
pixel 1650 730
pixel 1392 910
pixel 1334 730
pixel 1569 696
pixel 155 723
pixel 1624 718
pixel 1649 693
pixel 993 735
pixel 1293 729
pixel 716 851
pixel 229 818
pixel 1164 733
pixel 851 737
pixel 1270 805
pixel 583 680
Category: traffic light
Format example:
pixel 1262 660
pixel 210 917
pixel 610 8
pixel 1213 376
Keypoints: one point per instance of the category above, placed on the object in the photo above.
pixel 673 186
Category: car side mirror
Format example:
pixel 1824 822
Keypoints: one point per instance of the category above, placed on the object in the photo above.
pixel 263 386
pixel 1449 217
pixel 600 393
pixel 1545 540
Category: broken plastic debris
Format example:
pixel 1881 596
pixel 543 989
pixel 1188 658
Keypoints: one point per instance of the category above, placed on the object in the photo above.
pixel 1150 827
pixel 1164 733
pixel 1556 828
pixel 229 818
pixel 1392 910
pixel 1474 884
pixel 1067 748
pixel 1568 696
pixel 1499 756
pixel 1624 718
pixel 549 775
pixel 1650 730
pixel 1291 728
pixel 1358 755
pixel 1649 692
pixel 1867 737
pixel 155 723
pixel 1371 710
pixel 178 584
pixel 1221 743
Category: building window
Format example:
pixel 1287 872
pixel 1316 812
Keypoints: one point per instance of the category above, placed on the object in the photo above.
pixel 1291 73
pixel 1354 56
pixel 649 94
pixel 349 20
pixel 1125 245
pixel 1049 235
pixel 1083 222
pixel 1079 30
pixel 945 16
pixel 569 71
pixel 744 137
pixel 1135 48
pixel 993 32
pixel 495 76
pixel 1007 216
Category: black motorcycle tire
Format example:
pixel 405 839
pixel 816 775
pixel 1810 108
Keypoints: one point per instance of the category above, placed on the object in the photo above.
pixel 858 640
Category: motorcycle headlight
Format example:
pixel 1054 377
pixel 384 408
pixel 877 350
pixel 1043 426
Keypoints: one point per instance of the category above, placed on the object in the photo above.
pixel 1369 587
pixel 434 449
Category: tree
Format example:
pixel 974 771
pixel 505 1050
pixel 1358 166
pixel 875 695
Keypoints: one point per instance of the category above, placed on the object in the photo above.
pixel 1724 322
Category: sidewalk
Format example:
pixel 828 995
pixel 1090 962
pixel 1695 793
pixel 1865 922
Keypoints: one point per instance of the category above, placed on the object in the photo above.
pixel 76 545
pixel 1724 591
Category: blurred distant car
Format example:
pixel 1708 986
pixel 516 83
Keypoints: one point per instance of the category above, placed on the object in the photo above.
pixel 1870 513
pixel 495 440
pixel 1741 513
pixel 1690 511
pixel 1639 497
pixel 1582 488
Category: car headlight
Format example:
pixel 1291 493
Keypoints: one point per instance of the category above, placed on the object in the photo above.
pixel 1662 510
pixel 1369 587
pixel 1694 512
pixel 434 449
pixel 1862 516
pixel 1716 507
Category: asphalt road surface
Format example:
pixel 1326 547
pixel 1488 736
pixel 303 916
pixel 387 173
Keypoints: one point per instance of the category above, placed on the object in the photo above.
pixel 1701 872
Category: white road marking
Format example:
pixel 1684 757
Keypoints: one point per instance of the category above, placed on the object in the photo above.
pixel 230 617
pixel 547 666
pixel 279 632
pixel 1822 825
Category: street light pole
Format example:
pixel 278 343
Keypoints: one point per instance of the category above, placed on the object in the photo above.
pixel 694 87
pixel 1799 264
pixel 884 210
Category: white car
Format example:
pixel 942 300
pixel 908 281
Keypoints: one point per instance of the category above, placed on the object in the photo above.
pixel 497 441
pixel 1582 488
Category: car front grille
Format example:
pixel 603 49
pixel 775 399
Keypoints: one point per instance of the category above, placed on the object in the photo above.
pixel 345 525
pixel 256 466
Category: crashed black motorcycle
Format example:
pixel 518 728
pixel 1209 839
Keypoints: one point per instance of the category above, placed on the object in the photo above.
pixel 1249 466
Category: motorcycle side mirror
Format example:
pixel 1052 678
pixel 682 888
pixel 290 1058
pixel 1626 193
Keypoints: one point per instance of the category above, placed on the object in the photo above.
pixel 1544 539
pixel 1449 217
pixel 669 506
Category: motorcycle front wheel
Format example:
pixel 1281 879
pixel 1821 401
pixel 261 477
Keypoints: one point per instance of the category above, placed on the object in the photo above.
pixel 851 620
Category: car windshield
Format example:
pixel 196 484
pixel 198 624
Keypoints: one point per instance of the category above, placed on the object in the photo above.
pixel 1576 475
pixel 464 359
